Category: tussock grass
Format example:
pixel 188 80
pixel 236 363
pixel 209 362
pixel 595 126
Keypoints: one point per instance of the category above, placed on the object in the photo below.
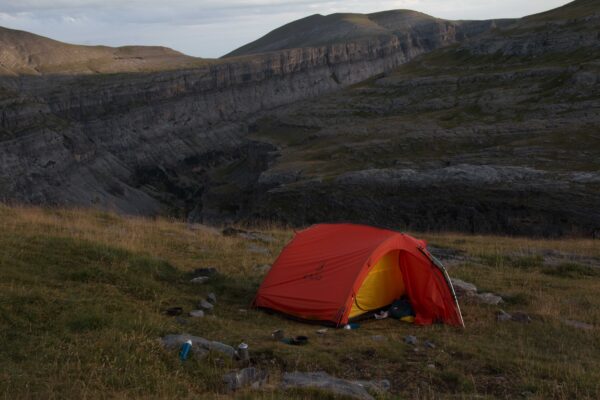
pixel 82 294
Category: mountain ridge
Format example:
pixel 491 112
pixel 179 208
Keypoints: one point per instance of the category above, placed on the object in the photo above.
pixel 236 139
pixel 27 53
pixel 321 30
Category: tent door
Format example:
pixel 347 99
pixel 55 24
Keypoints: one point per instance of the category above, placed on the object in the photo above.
pixel 381 287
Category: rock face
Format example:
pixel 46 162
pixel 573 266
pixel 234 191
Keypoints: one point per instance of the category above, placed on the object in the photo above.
pixel 496 134
pixel 469 137
pixel 140 143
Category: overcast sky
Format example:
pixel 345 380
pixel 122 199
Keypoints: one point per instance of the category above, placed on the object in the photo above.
pixel 211 28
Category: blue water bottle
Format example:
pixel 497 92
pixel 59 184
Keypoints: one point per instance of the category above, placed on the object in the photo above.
pixel 185 350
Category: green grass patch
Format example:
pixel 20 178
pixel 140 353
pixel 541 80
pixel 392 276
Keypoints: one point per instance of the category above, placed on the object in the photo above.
pixel 573 270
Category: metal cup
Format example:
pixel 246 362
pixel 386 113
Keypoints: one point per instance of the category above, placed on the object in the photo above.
pixel 278 334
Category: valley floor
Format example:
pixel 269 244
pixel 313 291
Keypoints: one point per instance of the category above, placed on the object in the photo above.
pixel 82 295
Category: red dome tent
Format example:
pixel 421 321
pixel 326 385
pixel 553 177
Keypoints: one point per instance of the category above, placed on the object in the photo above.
pixel 333 273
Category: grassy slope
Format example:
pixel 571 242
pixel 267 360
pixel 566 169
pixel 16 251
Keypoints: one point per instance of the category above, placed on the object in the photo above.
pixel 320 30
pixel 27 53
pixel 81 295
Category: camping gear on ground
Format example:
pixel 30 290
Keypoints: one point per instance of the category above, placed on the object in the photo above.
pixel 243 353
pixel 402 310
pixel 332 273
pixel 351 326
pixel 295 341
pixel 278 334
pixel 174 311
pixel 382 315
pixel 185 350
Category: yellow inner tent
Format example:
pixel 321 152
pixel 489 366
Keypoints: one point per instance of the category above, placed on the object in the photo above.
pixel 381 287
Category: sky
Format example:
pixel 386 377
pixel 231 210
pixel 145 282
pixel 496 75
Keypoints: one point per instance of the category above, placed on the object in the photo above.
pixel 212 28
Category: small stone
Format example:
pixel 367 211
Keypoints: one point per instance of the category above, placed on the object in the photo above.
pixel 462 288
pixel 181 321
pixel 410 339
pixel 212 298
pixel 378 338
pixel 521 317
pixel 262 268
pixel 489 298
pixel 206 306
pixel 431 366
pixel 429 344
pixel 503 316
pixel 242 311
pixel 200 280
pixel 197 314
pixel 252 248
pixel 250 376
pixel 206 271
pixel 322 331
pixel 578 325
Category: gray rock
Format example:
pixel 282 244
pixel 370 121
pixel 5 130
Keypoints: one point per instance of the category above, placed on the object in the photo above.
pixel 431 366
pixel 197 314
pixel 578 324
pixel 410 339
pixel 429 344
pixel 462 288
pixel 200 280
pixel 378 338
pixel 378 387
pixel 206 306
pixel 325 382
pixel 212 298
pixel 521 317
pixel 503 316
pixel 200 346
pixel 260 237
pixel 252 248
pixel 489 298
pixel 262 268
pixel 250 376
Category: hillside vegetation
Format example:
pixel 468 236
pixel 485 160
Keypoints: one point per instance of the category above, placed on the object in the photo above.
pixel 82 295
pixel 323 30
pixel 30 54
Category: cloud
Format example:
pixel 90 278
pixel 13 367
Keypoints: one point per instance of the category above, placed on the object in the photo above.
pixel 210 28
